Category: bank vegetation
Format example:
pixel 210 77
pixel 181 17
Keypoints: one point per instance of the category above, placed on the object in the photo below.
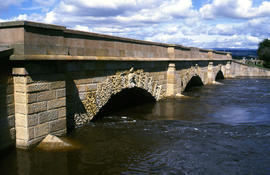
pixel 264 52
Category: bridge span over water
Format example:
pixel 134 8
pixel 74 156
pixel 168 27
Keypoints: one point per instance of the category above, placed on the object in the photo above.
pixel 50 75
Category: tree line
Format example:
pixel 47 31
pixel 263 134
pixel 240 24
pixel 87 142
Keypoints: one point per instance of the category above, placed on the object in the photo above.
pixel 264 52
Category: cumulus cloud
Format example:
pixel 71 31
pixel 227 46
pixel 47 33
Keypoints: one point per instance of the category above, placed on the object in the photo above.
pixel 234 9
pixel 82 28
pixel 125 11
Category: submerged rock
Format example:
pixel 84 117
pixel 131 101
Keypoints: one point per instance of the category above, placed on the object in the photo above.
pixel 51 142
pixel 178 95
pixel 217 83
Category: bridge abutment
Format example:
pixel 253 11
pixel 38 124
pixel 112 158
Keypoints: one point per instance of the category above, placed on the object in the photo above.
pixel 40 105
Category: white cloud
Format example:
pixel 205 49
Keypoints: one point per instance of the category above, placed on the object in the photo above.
pixel 82 28
pixel 20 17
pixel 234 9
pixel 50 17
pixel 114 4
pixel 180 8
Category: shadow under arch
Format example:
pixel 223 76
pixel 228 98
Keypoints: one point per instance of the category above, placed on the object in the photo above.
pixel 219 76
pixel 126 98
pixel 195 81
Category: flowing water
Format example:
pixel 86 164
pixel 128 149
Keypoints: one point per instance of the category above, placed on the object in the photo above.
pixel 215 129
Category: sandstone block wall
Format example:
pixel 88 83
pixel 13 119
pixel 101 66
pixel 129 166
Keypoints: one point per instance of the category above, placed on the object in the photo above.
pixel 40 106
pixel 242 70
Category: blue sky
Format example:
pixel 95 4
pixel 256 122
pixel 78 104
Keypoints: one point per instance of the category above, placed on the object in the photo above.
pixel 197 23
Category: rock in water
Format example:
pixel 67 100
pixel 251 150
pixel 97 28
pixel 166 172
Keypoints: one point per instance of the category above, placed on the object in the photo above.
pixel 51 142
pixel 178 95
pixel 217 83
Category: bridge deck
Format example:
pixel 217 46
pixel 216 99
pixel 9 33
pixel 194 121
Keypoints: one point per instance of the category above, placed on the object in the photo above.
pixel 38 41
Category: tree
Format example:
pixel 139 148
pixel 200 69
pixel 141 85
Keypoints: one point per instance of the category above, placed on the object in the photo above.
pixel 264 52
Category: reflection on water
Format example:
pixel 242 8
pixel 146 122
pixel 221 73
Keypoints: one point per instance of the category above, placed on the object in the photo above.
pixel 217 129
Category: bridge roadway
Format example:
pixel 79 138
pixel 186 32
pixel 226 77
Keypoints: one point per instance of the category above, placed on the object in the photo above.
pixel 50 75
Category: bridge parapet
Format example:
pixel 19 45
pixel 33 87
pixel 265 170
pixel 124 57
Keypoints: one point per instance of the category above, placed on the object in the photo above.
pixel 37 41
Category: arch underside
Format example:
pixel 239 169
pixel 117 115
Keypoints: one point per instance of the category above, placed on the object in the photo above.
pixel 201 73
pixel 219 75
pixel 189 75
pixel 96 99
pixel 195 81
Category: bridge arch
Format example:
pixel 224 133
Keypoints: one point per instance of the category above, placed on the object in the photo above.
pixel 125 98
pixel 219 75
pixel 191 78
pixel 195 81
pixel 122 82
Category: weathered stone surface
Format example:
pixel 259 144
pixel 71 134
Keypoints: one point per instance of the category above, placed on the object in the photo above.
pixel 47 116
pixel 20 88
pixel 58 85
pixel 32 98
pixel 21 120
pixel 60 93
pixel 42 130
pixel 21 108
pixel 36 87
pixel 20 97
pixel 36 107
pixel 53 104
pixel 46 95
pixel 22 133
pixel 62 112
pixel 57 125
pixel 20 80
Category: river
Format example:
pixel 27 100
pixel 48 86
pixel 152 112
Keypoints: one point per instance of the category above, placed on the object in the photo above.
pixel 214 129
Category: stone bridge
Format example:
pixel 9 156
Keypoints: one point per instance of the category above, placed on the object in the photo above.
pixel 52 76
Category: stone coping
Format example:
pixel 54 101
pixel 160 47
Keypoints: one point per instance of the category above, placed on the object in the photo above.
pixel 100 58
pixel 14 24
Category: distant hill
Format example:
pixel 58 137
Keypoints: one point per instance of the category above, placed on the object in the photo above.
pixel 240 53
